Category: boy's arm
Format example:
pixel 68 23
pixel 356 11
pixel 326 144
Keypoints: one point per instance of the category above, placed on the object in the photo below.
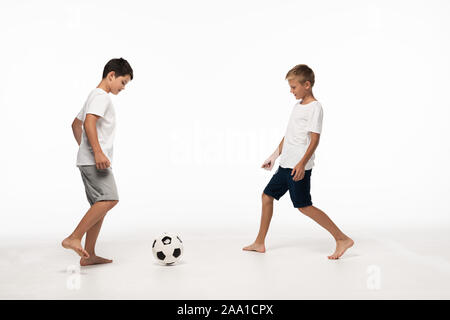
pixel 77 128
pixel 90 126
pixel 299 170
pixel 268 164
pixel 280 146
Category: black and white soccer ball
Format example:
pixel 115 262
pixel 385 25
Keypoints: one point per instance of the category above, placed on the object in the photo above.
pixel 167 248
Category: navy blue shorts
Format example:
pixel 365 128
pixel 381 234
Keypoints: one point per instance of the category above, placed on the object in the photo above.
pixel 299 191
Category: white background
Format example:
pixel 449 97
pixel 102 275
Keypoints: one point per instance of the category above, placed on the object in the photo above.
pixel 209 103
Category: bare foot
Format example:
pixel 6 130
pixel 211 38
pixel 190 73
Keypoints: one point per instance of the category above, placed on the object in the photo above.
pixel 75 245
pixel 258 247
pixel 341 246
pixel 93 259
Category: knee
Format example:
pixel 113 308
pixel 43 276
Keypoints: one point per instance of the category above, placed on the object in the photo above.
pixel 304 210
pixel 266 199
pixel 111 203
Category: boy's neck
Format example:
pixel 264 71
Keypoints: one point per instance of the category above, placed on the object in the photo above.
pixel 103 85
pixel 308 98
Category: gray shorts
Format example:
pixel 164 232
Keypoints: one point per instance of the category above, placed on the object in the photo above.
pixel 99 184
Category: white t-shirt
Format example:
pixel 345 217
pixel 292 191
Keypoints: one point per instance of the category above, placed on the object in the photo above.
pixel 304 120
pixel 98 103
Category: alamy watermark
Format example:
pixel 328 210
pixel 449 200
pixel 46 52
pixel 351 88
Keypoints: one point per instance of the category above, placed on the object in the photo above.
pixel 73 281
pixel 374 277
pixel 202 145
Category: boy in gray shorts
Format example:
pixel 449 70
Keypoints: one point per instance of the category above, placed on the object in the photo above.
pixel 95 154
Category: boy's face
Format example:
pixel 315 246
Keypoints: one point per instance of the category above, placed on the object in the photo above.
pixel 299 90
pixel 117 84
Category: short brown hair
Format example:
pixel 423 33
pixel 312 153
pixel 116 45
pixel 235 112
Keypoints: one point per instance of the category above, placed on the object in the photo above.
pixel 121 67
pixel 302 72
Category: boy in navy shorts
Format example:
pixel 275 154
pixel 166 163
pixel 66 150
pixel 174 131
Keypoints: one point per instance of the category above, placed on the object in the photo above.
pixel 296 163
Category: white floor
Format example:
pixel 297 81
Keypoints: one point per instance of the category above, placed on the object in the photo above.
pixel 389 264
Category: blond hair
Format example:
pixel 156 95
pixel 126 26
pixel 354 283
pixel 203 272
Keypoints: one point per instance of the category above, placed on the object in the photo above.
pixel 302 73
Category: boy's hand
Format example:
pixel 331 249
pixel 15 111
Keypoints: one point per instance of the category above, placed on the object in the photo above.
pixel 268 164
pixel 298 172
pixel 101 161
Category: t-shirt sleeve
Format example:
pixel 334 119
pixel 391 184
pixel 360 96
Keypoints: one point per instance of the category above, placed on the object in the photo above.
pixel 315 121
pixel 80 115
pixel 98 105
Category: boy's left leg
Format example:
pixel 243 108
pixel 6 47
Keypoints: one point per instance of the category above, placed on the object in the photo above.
pixel 100 189
pixel 89 246
pixel 95 213
pixel 343 242
pixel 275 189
pixel 91 237
pixel 266 217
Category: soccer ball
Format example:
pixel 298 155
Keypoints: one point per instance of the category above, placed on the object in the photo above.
pixel 167 248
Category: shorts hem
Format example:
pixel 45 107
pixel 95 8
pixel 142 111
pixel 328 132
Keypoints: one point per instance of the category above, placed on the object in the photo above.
pixel 271 195
pixel 302 205
pixel 106 198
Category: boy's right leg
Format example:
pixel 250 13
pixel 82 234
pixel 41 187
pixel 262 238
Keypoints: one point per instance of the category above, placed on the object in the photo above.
pixel 343 242
pixel 266 217
pixel 97 211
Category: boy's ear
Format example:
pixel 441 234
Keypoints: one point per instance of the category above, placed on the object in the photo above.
pixel 111 75
pixel 307 84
